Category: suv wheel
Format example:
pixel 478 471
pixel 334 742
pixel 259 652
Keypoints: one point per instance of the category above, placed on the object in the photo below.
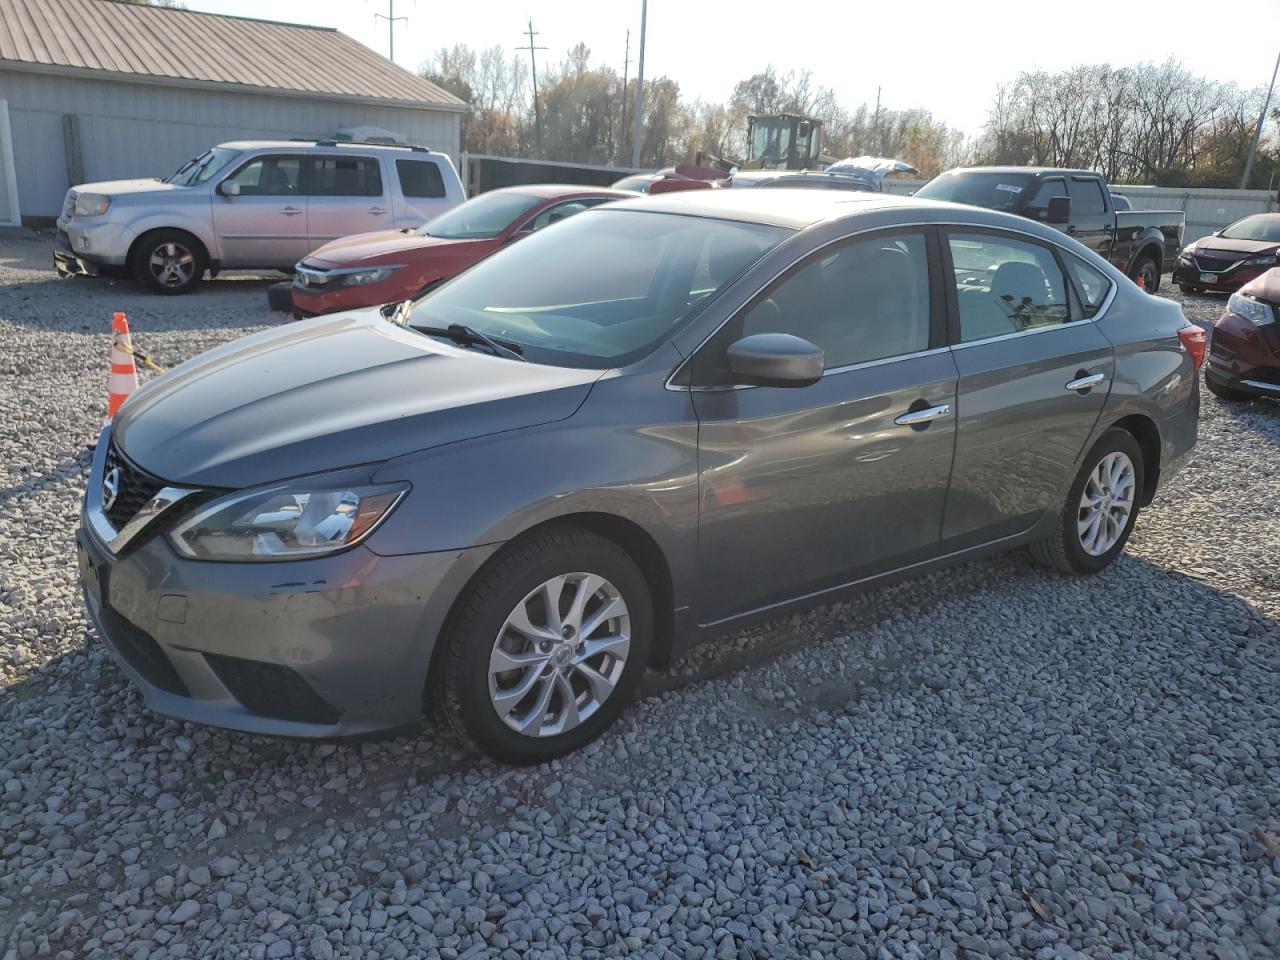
pixel 548 648
pixel 169 261
pixel 1101 508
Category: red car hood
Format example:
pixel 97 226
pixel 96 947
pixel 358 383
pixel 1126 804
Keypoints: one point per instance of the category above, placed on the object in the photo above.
pixel 381 246
pixel 1265 287
pixel 1241 248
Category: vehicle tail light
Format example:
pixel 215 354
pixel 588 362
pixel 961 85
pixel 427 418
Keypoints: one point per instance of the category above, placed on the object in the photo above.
pixel 1194 340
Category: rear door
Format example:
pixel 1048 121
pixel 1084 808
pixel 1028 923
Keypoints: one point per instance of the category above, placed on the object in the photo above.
pixel 1034 375
pixel 266 225
pixel 345 194
pixel 1092 222
pixel 803 489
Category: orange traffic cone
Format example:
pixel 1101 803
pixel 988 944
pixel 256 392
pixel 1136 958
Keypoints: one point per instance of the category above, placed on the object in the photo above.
pixel 1141 282
pixel 124 375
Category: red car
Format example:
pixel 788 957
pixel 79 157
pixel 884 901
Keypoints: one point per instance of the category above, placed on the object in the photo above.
pixel 1231 257
pixel 369 269
pixel 1244 356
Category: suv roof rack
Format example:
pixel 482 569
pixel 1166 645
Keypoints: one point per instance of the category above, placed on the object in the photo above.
pixel 416 148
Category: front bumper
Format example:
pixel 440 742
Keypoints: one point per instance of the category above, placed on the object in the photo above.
pixel 1224 281
pixel 1244 356
pixel 67 263
pixel 329 647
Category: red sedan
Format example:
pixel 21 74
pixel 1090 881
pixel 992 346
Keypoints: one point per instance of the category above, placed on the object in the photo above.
pixel 368 269
pixel 1244 358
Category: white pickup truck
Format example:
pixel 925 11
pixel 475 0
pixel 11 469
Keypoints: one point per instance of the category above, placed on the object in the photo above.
pixel 249 204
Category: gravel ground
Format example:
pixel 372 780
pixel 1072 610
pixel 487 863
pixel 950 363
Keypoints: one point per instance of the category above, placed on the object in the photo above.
pixel 991 761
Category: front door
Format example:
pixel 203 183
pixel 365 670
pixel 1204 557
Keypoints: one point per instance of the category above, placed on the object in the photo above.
pixel 266 224
pixel 1034 375
pixel 347 195
pixel 1092 222
pixel 803 489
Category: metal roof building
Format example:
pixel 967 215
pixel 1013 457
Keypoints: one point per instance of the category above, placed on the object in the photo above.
pixel 103 90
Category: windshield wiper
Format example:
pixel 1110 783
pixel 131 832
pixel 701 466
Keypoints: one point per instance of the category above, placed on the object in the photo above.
pixel 460 333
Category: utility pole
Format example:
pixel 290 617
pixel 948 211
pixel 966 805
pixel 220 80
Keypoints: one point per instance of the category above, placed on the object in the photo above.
pixel 875 126
pixel 639 117
pixel 626 65
pixel 391 19
pixel 1257 131
pixel 533 66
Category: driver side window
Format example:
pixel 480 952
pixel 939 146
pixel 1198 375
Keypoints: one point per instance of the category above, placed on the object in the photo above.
pixel 270 177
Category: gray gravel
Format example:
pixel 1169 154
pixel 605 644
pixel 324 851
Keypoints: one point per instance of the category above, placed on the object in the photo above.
pixel 991 761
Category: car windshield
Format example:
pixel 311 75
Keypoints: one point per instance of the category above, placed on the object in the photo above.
pixel 634 184
pixel 1265 227
pixel 979 188
pixel 203 167
pixel 480 219
pixel 603 288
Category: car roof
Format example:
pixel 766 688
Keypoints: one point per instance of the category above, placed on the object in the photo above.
pixel 1064 171
pixel 781 207
pixel 552 191
pixel 797 174
pixel 321 144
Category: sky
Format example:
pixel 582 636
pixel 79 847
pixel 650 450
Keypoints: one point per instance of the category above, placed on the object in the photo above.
pixel 947 57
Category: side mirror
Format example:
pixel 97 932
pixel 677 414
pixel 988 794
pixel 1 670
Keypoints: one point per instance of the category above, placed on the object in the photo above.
pixel 1058 211
pixel 775 360
pixel 229 188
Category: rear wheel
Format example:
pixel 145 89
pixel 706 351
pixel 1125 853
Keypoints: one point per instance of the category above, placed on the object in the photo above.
pixel 1100 510
pixel 1146 269
pixel 548 648
pixel 1223 392
pixel 169 261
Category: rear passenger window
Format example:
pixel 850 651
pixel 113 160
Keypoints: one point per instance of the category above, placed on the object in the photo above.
pixel 1086 197
pixel 869 300
pixel 1093 284
pixel 345 177
pixel 420 178
pixel 1005 286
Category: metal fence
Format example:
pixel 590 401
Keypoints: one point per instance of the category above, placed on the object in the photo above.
pixel 1206 210
pixel 481 172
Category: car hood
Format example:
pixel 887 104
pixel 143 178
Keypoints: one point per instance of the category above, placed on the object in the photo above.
pixel 1266 286
pixel 333 392
pixel 1240 247
pixel 116 188
pixel 381 245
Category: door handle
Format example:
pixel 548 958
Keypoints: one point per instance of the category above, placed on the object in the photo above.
pixel 1085 383
pixel 920 418
pixel 375 211
pixel 291 211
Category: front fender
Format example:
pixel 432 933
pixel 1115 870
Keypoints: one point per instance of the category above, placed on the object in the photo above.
pixel 630 452
pixel 175 218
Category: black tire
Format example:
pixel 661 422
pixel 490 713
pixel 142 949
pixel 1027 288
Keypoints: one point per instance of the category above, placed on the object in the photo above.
pixel 462 674
pixel 1146 267
pixel 1223 392
pixel 1062 549
pixel 1190 288
pixel 169 261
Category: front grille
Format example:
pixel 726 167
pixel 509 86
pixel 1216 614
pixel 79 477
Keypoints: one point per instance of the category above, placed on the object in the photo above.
pixel 141 651
pixel 271 690
pixel 69 208
pixel 1215 261
pixel 136 487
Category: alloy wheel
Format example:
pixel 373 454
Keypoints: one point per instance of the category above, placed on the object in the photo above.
pixel 1106 503
pixel 172 264
pixel 559 654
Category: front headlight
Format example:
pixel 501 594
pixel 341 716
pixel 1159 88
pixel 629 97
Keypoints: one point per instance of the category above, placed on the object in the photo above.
pixel 1270 260
pixel 1255 311
pixel 361 277
pixel 291 521
pixel 91 204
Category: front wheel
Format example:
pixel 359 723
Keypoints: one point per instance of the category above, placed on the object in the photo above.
pixel 169 261
pixel 548 647
pixel 1146 269
pixel 1101 508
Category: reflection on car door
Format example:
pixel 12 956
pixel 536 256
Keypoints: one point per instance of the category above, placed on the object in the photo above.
pixel 346 195
pixel 1033 380
pixel 266 225
pixel 1091 222
pixel 803 489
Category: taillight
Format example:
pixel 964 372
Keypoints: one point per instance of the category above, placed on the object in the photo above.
pixel 1195 341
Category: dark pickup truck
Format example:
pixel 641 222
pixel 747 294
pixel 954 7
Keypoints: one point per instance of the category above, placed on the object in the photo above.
pixel 1142 243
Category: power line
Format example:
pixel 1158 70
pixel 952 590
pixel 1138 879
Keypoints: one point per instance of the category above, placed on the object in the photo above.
pixel 391 19
pixel 533 66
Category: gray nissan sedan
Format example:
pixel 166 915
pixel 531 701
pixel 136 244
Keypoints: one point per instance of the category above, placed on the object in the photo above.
pixel 659 421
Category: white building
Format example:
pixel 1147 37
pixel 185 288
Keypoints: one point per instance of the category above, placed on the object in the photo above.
pixel 103 90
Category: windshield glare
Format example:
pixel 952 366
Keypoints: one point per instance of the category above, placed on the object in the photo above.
pixel 203 167
pixel 480 219
pixel 1258 227
pixel 603 288
pixel 995 191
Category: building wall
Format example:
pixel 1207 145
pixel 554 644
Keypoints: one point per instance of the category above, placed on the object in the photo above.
pixel 131 130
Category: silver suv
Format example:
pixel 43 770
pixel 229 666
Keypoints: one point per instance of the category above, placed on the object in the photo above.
pixel 249 204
